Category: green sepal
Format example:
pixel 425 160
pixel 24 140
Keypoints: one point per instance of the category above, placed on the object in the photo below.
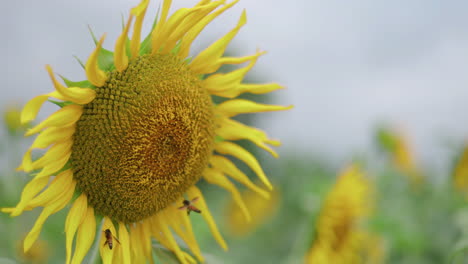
pixel 60 104
pixel 106 60
pixel 386 139
pixel 176 49
pixel 105 57
pixel 81 84
pixel 79 61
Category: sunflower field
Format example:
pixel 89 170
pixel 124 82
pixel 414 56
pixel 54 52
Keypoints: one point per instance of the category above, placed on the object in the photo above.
pixel 156 157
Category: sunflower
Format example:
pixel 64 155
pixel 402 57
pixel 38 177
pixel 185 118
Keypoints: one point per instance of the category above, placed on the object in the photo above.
pixel 128 145
pixel 460 172
pixel 339 232
pixel 403 158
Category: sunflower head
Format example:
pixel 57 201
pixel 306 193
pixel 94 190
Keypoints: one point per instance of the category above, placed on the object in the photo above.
pixel 129 143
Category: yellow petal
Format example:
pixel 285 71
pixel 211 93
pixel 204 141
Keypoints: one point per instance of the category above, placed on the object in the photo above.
pixel 188 38
pixel 125 243
pixel 229 148
pixel 226 166
pixel 26 162
pixel 75 217
pixel 137 251
pixel 181 28
pixel 248 88
pixel 155 34
pixel 120 55
pixel 52 154
pixel 201 204
pixel 95 75
pixel 66 116
pixel 145 240
pixel 241 106
pixel 55 166
pixel 61 183
pixel 138 11
pixel 85 236
pixel 169 26
pixel 74 94
pixel 220 82
pixel 29 191
pixel 208 60
pixel 106 253
pixel 31 108
pixel 59 203
pixel 216 177
pixel 180 223
pixel 162 226
pixel 233 130
pixel 53 135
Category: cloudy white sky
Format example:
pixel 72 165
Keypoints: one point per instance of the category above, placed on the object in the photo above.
pixel 348 65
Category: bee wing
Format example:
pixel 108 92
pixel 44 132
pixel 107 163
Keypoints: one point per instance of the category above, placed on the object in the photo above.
pixel 194 199
pixel 183 207
pixel 116 239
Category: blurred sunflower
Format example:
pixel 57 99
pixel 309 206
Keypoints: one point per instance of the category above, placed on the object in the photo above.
pixel 339 235
pixel 135 137
pixel 460 173
pixel 401 154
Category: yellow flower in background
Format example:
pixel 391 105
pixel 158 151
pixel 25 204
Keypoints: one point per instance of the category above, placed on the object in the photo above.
pixel 261 209
pixel 134 138
pixel 401 153
pixel 373 251
pixel 339 232
pixel 39 252
pixel 460 173
pixel 12 119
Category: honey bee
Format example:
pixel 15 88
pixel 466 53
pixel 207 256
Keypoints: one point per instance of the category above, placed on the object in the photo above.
pixel 189 207
pixel 109 237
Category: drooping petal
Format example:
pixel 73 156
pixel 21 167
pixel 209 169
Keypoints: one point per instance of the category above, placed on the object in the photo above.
pixel 162 225
pixel 52 135
pixel 125 243
pixel 201 204
pixel 208 60
pixel 73 94
pixel 55 166
pixel 145 240
pixel 181 224
pixel 229 148
pixel 104 247
pixel 120 55
pixel 75 217
pixel 30 190
pixel 32 107
pixel 139 12
pixel 234 107
pixel 61 183
pixel 52 154
pixel 66 116
pixel 216 177
pixel 95 75
pixel 58 204
pixel 136 247
pixel 188 38
pixel 226 166
pixel 233 130
pixel 85 236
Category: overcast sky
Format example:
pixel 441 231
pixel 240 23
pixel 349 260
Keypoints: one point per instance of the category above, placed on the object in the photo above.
pixel 348 66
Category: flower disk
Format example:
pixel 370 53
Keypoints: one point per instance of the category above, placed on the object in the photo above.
pixel 145 139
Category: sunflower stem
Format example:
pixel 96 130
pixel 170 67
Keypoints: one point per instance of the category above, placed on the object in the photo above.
pixel 93 258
